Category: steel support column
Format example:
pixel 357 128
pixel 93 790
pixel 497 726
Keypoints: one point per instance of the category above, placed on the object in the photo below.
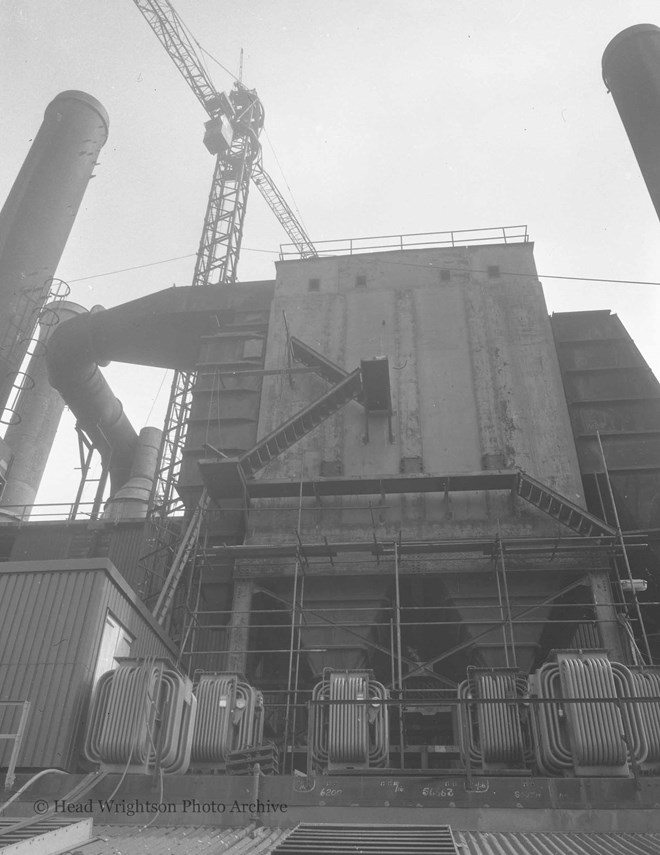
pixel 606 615
pixel 239 625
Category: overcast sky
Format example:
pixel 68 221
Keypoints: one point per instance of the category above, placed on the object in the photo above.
pixel 382 117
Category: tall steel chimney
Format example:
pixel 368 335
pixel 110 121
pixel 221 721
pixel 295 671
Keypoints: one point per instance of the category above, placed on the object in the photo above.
pixel 37 217
pixel 39 409
pixel 631 71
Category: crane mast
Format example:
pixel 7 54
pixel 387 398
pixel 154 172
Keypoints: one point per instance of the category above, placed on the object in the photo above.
pixel 232 134
pixel 171 32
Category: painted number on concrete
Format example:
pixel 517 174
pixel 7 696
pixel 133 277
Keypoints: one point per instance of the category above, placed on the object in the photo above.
pixel 444 792
pixel 397 786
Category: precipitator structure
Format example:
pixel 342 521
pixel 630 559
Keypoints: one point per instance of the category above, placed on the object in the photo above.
pixel 399 547
pixel 388 575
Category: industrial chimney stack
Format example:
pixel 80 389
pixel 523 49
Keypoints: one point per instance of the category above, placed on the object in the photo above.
pixel 631 71
pixel 37 217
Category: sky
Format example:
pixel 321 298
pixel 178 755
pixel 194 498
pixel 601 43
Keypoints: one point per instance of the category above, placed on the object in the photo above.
pixel 382 117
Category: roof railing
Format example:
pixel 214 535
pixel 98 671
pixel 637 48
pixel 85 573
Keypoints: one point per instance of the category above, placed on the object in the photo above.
pixel 415 240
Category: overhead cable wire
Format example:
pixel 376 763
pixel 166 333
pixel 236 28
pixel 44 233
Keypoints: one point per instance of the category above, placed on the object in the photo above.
pixel 527 275
pixel 156 396
pixel 386 261
pixel 192 38
pixel 217 62
pixel 162 261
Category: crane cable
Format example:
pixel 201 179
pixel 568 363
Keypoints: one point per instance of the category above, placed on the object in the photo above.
pixel 277 160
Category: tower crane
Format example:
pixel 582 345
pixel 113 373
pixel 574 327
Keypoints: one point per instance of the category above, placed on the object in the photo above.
pixel 232 135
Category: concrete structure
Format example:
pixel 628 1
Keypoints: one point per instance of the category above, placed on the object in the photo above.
pixel 383 479
pixel 465 355
pixel 38 215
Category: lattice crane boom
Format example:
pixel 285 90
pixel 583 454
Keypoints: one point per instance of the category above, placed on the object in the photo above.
pixel 278 204
pixel 171 32
pixel 232 134
pixel 168 27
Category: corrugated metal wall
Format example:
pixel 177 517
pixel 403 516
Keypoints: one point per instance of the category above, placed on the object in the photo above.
pixel 51 621
pixel 46 646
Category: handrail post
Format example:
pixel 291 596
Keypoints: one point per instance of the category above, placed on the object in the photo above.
pixel 10 777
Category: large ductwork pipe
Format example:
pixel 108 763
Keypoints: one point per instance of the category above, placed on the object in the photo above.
pixel 73 369
pixel 631 71
pixel 38 215
pixel 38 410
pixel 131 501
pixel 163 330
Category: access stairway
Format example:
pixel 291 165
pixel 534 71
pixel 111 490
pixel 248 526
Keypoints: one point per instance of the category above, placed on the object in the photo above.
pixel 320 364
pixel 302 423
pixel 560 508
pixel 331 839
pixel 362 385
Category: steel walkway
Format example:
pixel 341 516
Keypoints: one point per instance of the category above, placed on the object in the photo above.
pixel 331 839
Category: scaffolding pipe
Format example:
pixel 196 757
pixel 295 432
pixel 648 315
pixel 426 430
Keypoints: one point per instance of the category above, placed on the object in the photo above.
pixel 502 618
pixel 622 543
pixel 297 675
pixel 398 645
pixel 371 644
pixel 294 621
pixel 507 600
pixel 183 553
pixel 426 666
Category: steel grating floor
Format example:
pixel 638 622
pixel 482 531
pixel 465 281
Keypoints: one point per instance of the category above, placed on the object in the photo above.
pixel 331 839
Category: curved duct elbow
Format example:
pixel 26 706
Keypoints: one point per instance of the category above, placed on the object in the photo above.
pixel 74 371
pixel 132 500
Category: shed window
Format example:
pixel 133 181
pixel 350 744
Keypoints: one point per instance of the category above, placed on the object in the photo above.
pixel 361 281
pixel 314 285
pixel 115 641
pixel 445 275
pixel 493 271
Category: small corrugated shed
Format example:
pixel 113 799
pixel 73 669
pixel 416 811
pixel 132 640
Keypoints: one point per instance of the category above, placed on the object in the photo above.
pixel 52 615
pixel 182 840
pixel 555 843
pixel 122 542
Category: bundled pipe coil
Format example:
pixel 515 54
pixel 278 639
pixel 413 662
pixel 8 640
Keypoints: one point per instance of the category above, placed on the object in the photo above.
pixel 551 740
pixel 596 729
pixel 646 684
pixel 493 735
pixel 641 720
pixel 587 737
pixel 230 717
pixel 352 732
pixel 141 716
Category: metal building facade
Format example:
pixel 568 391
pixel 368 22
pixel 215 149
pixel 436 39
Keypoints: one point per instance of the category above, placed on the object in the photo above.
pixel 51 622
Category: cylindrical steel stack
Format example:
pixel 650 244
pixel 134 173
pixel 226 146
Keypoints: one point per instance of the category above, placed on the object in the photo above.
pixel 37 217
pixel 631 71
